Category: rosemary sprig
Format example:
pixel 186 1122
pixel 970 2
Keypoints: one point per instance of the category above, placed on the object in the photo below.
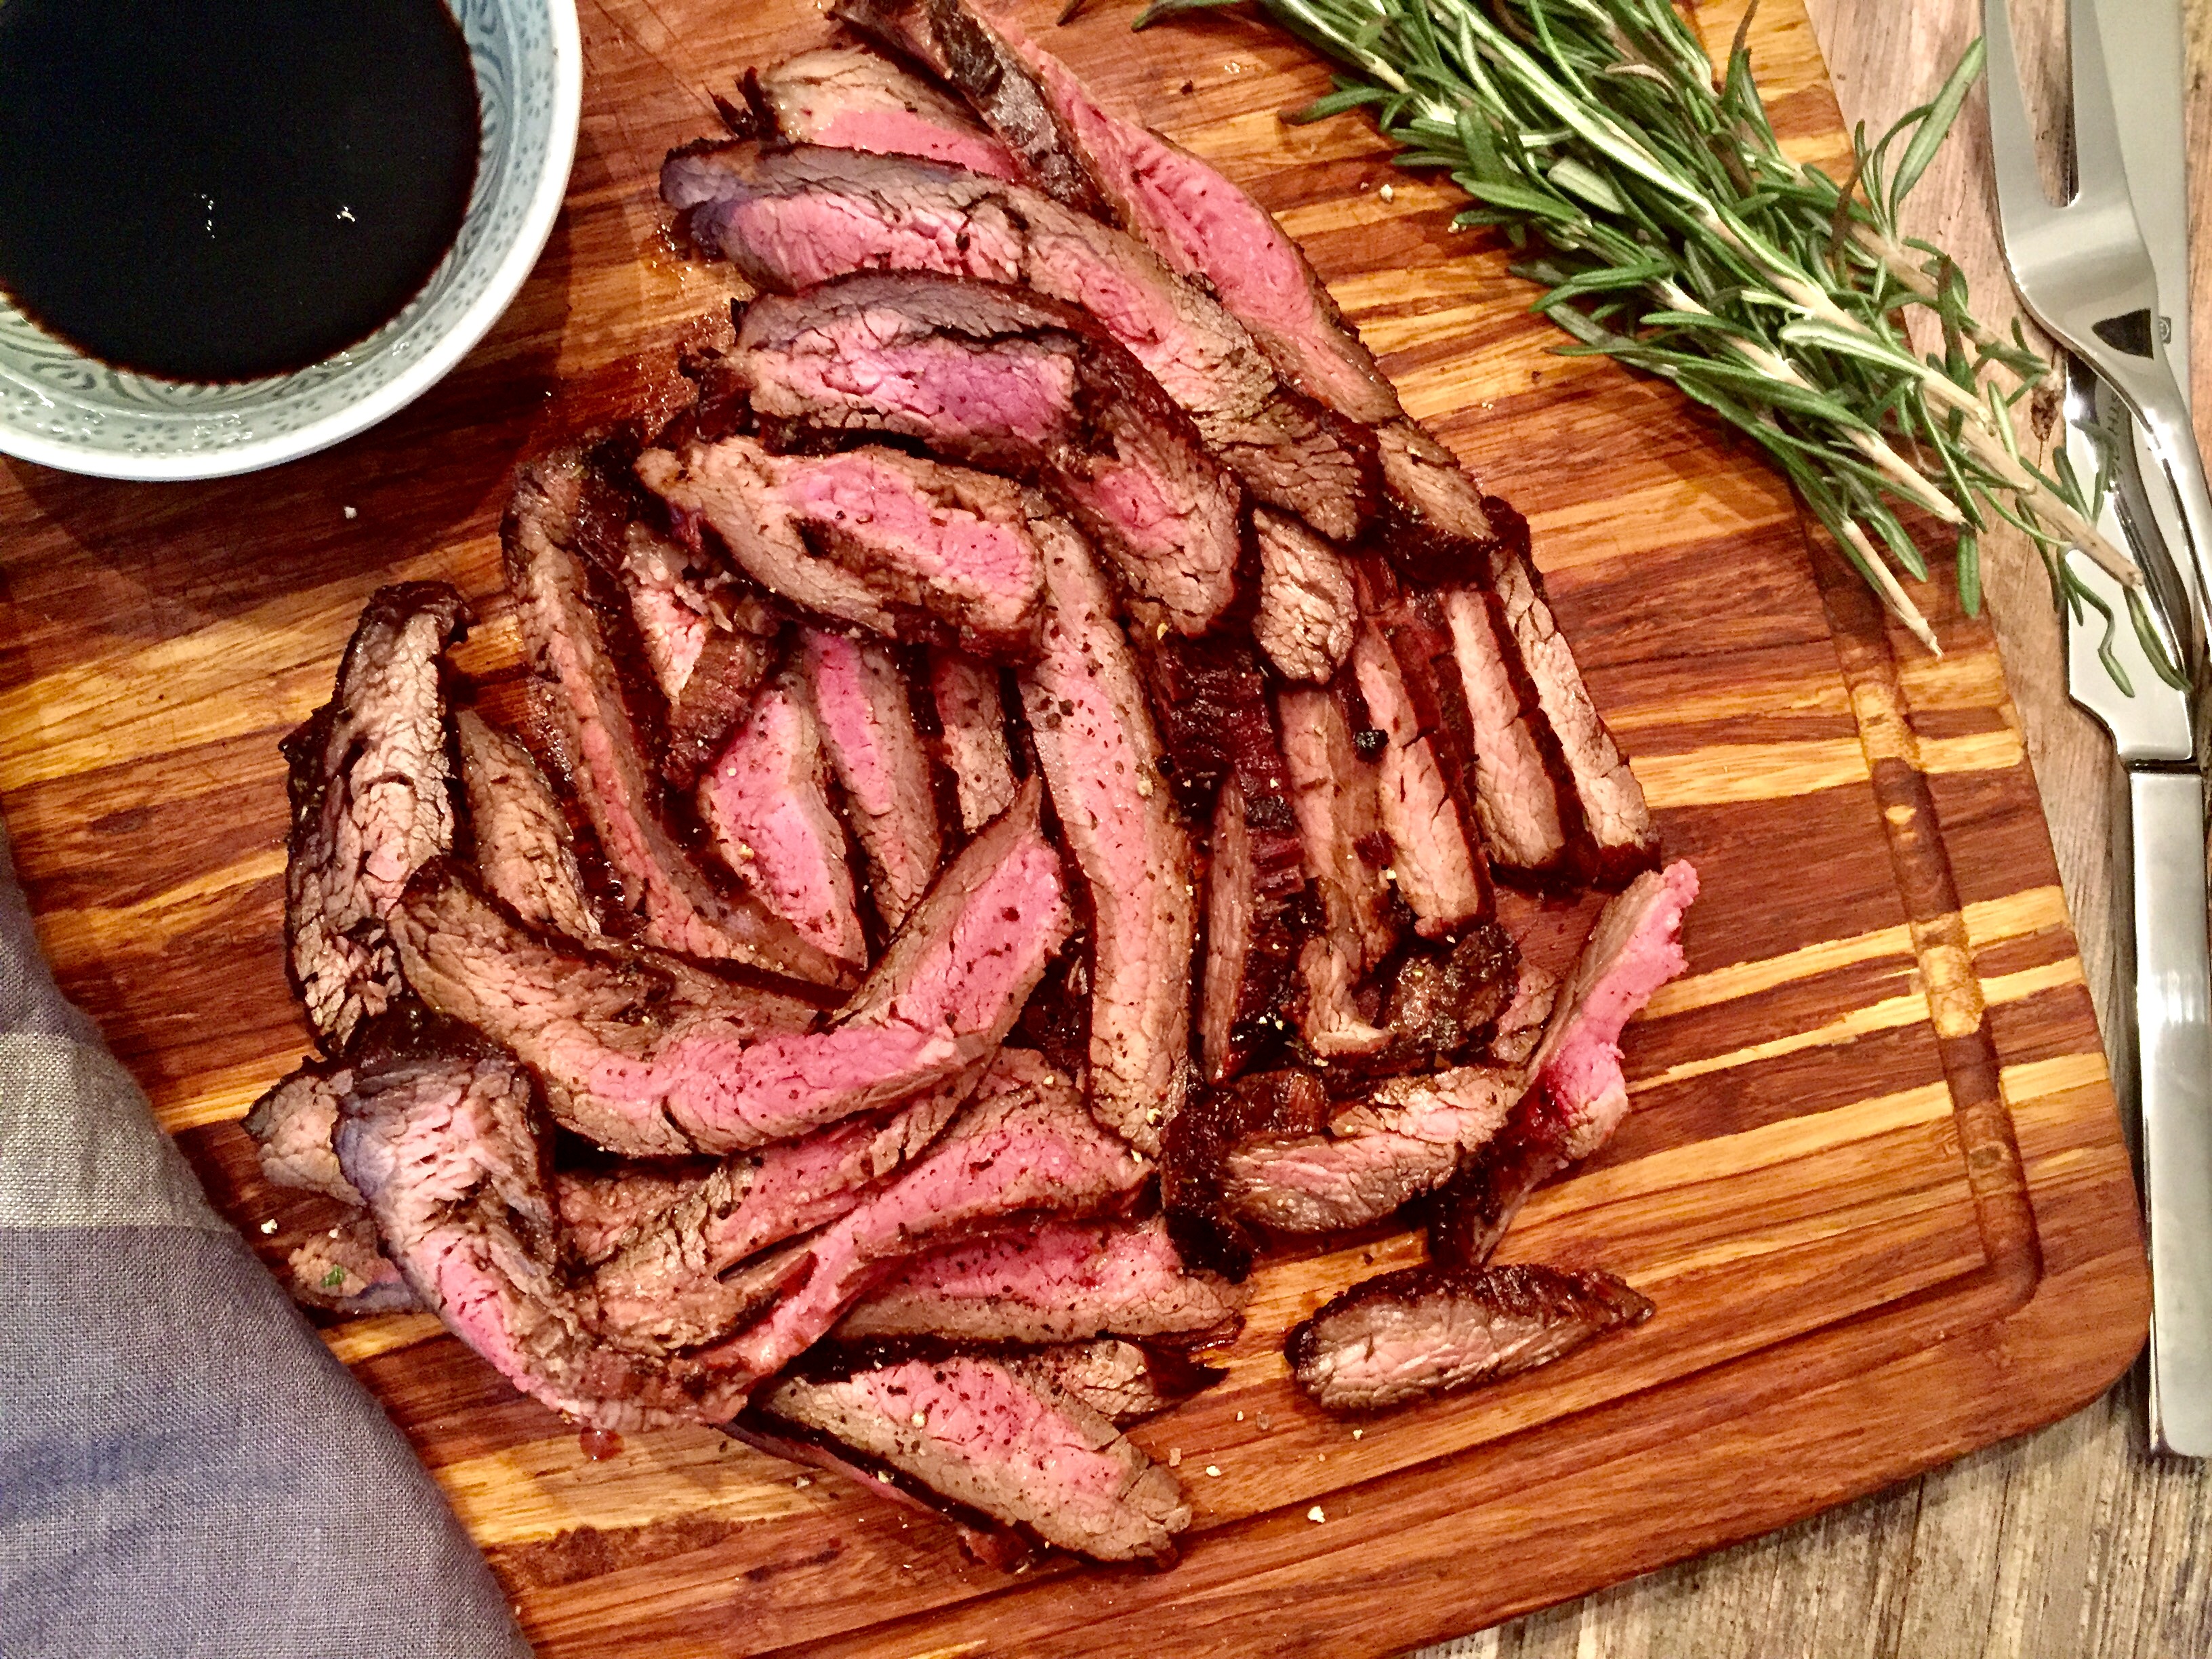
pixel 1649 197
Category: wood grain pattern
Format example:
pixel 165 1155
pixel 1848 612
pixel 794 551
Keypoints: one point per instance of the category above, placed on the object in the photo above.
pixel 1874 1180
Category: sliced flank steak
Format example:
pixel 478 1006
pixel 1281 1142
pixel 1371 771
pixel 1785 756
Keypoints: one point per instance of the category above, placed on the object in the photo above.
pixel 907 548
pixel 1001 1439
pixel 565 627
pixel 1052 1280
pixel 1435 864
pixel 1220 733
pixel 848 99
pixel 1000 377
pixel 709 646
pixel 1024 1142
pixel 866 718
pixel 1123 1381
pixel 1100 757
pixel 444 1138
pixel 1331 758
pixel 291 1127
pixel 340 1270
pixel 791 217
pixel 1433 1329
pixel 1203 226
pixel 675 1279
pixel 370 777
pixel 1580 1097
pixel 971 741
pixel 525 852
pixel 647 1055
pixel 765 806
pixel 1273 1153
pixel 1308 610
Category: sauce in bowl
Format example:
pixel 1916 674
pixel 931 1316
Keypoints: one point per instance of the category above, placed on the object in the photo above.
pixel 222 190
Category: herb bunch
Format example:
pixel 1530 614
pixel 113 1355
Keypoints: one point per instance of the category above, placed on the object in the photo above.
pixel 1649 197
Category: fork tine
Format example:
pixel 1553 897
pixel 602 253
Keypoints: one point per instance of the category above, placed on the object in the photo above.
pixel 2100 171
pixel 2023 207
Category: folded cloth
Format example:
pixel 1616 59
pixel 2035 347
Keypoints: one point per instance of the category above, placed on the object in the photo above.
pixel 185 1469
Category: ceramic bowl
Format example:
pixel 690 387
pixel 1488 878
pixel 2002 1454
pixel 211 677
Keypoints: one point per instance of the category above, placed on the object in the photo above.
pixel 59 407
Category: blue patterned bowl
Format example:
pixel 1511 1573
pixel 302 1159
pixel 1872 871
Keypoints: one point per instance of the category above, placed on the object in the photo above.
pixel 62 407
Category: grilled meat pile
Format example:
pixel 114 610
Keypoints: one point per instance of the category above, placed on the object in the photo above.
pixel 1009 823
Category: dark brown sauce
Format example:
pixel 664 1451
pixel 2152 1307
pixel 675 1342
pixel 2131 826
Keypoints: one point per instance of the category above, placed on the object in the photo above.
pixel 226 189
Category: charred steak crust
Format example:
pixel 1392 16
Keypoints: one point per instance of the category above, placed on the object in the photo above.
pixel 1433 1328
pixel 370 777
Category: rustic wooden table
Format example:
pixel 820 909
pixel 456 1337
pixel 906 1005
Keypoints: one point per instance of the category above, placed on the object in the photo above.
pixel 2071 1542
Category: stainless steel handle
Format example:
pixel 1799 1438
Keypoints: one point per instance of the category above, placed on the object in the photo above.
pixel 2173 1027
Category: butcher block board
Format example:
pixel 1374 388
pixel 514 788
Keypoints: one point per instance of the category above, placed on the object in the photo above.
pixel 1874 1180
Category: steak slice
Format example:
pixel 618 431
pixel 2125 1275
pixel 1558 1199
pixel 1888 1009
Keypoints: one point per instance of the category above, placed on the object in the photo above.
pixel 973 951
pixel 1433 1329
pixel 1437 870
pixel 1528 822
pixel 292 1126
pixel 1520 1025
pixel 852 99
pixel 525 853
pixel 868 732
pixel 971 744
pixel 791 217
pixel 1199 223
pixel 603 1206
pixel 1100 758
pixel 1220 733
pixel 682 909
pixel 1123 1381
pixel 1371 1157
pixel 1437 525
pixel 904 547
pixel 1336 794
pixel 671 1284
pixel 1445 1005
pixel 734 663
pixel 1581 1096
pixel 710 647
pixel 445 1140
pixel 961 49
pixel 1635 948
pixel 1002 377
pixel 1258 915
pixel 371 785
pixel 1049 1281
pixel 1470 1214
pixel 341 1270
pixel 1002 1440
pixel 646 1056
pixel 1615 819
pixel 765 804
pixel 1309 609
pixel 1024 1142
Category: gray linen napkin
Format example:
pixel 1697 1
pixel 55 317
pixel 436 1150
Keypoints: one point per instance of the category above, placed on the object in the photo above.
pixel 185 1469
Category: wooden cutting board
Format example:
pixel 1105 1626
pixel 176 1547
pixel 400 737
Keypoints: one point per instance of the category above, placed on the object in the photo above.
pixel 1874 1181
